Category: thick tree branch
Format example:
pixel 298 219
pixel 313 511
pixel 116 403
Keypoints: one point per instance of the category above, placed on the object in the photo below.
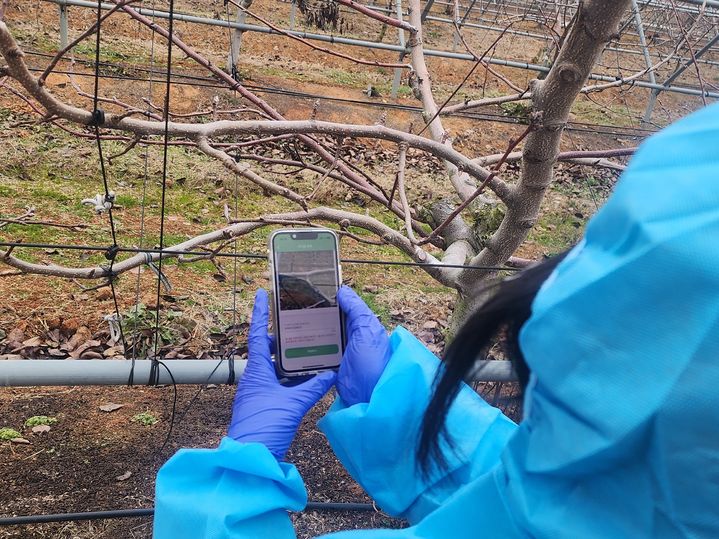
pixel 593 158
pixel 343 218
pixel 462 183
pixel 19 71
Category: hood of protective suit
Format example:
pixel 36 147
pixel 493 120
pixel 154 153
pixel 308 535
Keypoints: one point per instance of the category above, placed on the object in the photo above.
pixel 621 421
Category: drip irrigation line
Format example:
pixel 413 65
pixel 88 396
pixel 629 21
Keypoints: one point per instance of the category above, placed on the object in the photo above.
pixel 209 82
pixel 582 127
pixel 255 256
pixel 148 512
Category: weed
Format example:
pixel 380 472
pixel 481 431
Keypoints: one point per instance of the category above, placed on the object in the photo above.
pixel 36 420
pixel 145 419
pixel 8 434
pixel 346 78
pixel 516 109
pixel 139 323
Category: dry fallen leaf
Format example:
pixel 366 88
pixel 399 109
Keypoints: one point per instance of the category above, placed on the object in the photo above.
pixel 40 429
pixel 32 343
pixel 430 324
pixel 123 477
pixel 111 407
pixel 21 441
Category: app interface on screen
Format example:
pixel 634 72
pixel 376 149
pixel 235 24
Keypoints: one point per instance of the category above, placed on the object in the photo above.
pixel 309 318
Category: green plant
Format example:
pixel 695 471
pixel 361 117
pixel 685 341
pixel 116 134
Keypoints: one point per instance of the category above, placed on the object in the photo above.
pixel 36 420
pixel 516 109
pixel 139 324
pixel 8 434
pixel 145 418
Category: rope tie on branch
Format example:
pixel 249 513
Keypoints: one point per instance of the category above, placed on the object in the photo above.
pixel 97 119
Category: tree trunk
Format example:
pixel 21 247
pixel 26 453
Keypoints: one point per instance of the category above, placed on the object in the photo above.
pixel 594 25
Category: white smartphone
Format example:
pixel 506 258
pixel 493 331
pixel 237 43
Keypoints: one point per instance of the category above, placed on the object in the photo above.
pixel 308 323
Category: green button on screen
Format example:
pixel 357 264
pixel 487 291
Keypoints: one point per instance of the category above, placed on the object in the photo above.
pixel 292 353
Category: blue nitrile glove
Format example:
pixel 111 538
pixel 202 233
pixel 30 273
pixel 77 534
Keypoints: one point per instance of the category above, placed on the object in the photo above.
pixel 367 351
pixel 264 410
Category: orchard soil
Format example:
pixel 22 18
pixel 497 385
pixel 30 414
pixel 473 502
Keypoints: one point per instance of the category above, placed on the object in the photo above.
pixel 96 460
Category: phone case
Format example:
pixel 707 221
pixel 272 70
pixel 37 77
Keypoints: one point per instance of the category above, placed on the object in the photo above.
pixel 274 308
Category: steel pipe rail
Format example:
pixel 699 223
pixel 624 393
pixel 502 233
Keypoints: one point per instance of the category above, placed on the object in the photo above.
pixel 373 45
pixel 110 372
pixel 102 372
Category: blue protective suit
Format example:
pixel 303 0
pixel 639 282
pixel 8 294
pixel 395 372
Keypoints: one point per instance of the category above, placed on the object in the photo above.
pixel 621 431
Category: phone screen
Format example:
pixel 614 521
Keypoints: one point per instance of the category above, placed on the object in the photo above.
pixel 309 328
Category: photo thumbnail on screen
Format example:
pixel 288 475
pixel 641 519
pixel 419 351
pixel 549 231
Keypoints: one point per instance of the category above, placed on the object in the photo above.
pixel 307 279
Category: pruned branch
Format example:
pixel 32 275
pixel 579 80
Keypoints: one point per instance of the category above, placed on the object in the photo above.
pixel 403 192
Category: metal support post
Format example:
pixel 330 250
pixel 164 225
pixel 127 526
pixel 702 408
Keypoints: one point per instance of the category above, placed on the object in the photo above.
pixel 375 45
pixel 104 372
pixel 457 27
pixel 674 76
pixel 236 43
pixel 293 13
pixel 63 26
pixel 647 59
pixel 398 72
pixel 426 9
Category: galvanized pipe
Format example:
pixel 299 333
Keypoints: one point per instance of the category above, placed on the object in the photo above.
pixel 374 45
pixel 112 372
pixel 99 372
pixel 63 26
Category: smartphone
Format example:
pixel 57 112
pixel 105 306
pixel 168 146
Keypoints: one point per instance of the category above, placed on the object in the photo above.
pixel 308 323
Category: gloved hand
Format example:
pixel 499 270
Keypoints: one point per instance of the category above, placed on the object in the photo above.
pixel 367 351
pixel 264 410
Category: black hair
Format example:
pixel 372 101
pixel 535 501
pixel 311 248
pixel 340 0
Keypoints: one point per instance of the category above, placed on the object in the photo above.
pixel 507 309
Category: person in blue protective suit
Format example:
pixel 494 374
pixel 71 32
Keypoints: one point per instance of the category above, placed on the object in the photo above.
pixel 620 351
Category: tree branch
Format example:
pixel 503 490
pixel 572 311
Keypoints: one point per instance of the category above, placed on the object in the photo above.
pixel 343 218
pixel 595 23
pixel 245 171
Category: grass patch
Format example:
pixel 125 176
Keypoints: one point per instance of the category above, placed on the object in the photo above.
pixel 7 434
pixel 36 420
pixel 614 115
pixel 556 232
pixel 145 419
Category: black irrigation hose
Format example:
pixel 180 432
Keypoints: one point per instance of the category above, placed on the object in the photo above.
pixel 249 255
pixel 208 82
pixel 135 513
